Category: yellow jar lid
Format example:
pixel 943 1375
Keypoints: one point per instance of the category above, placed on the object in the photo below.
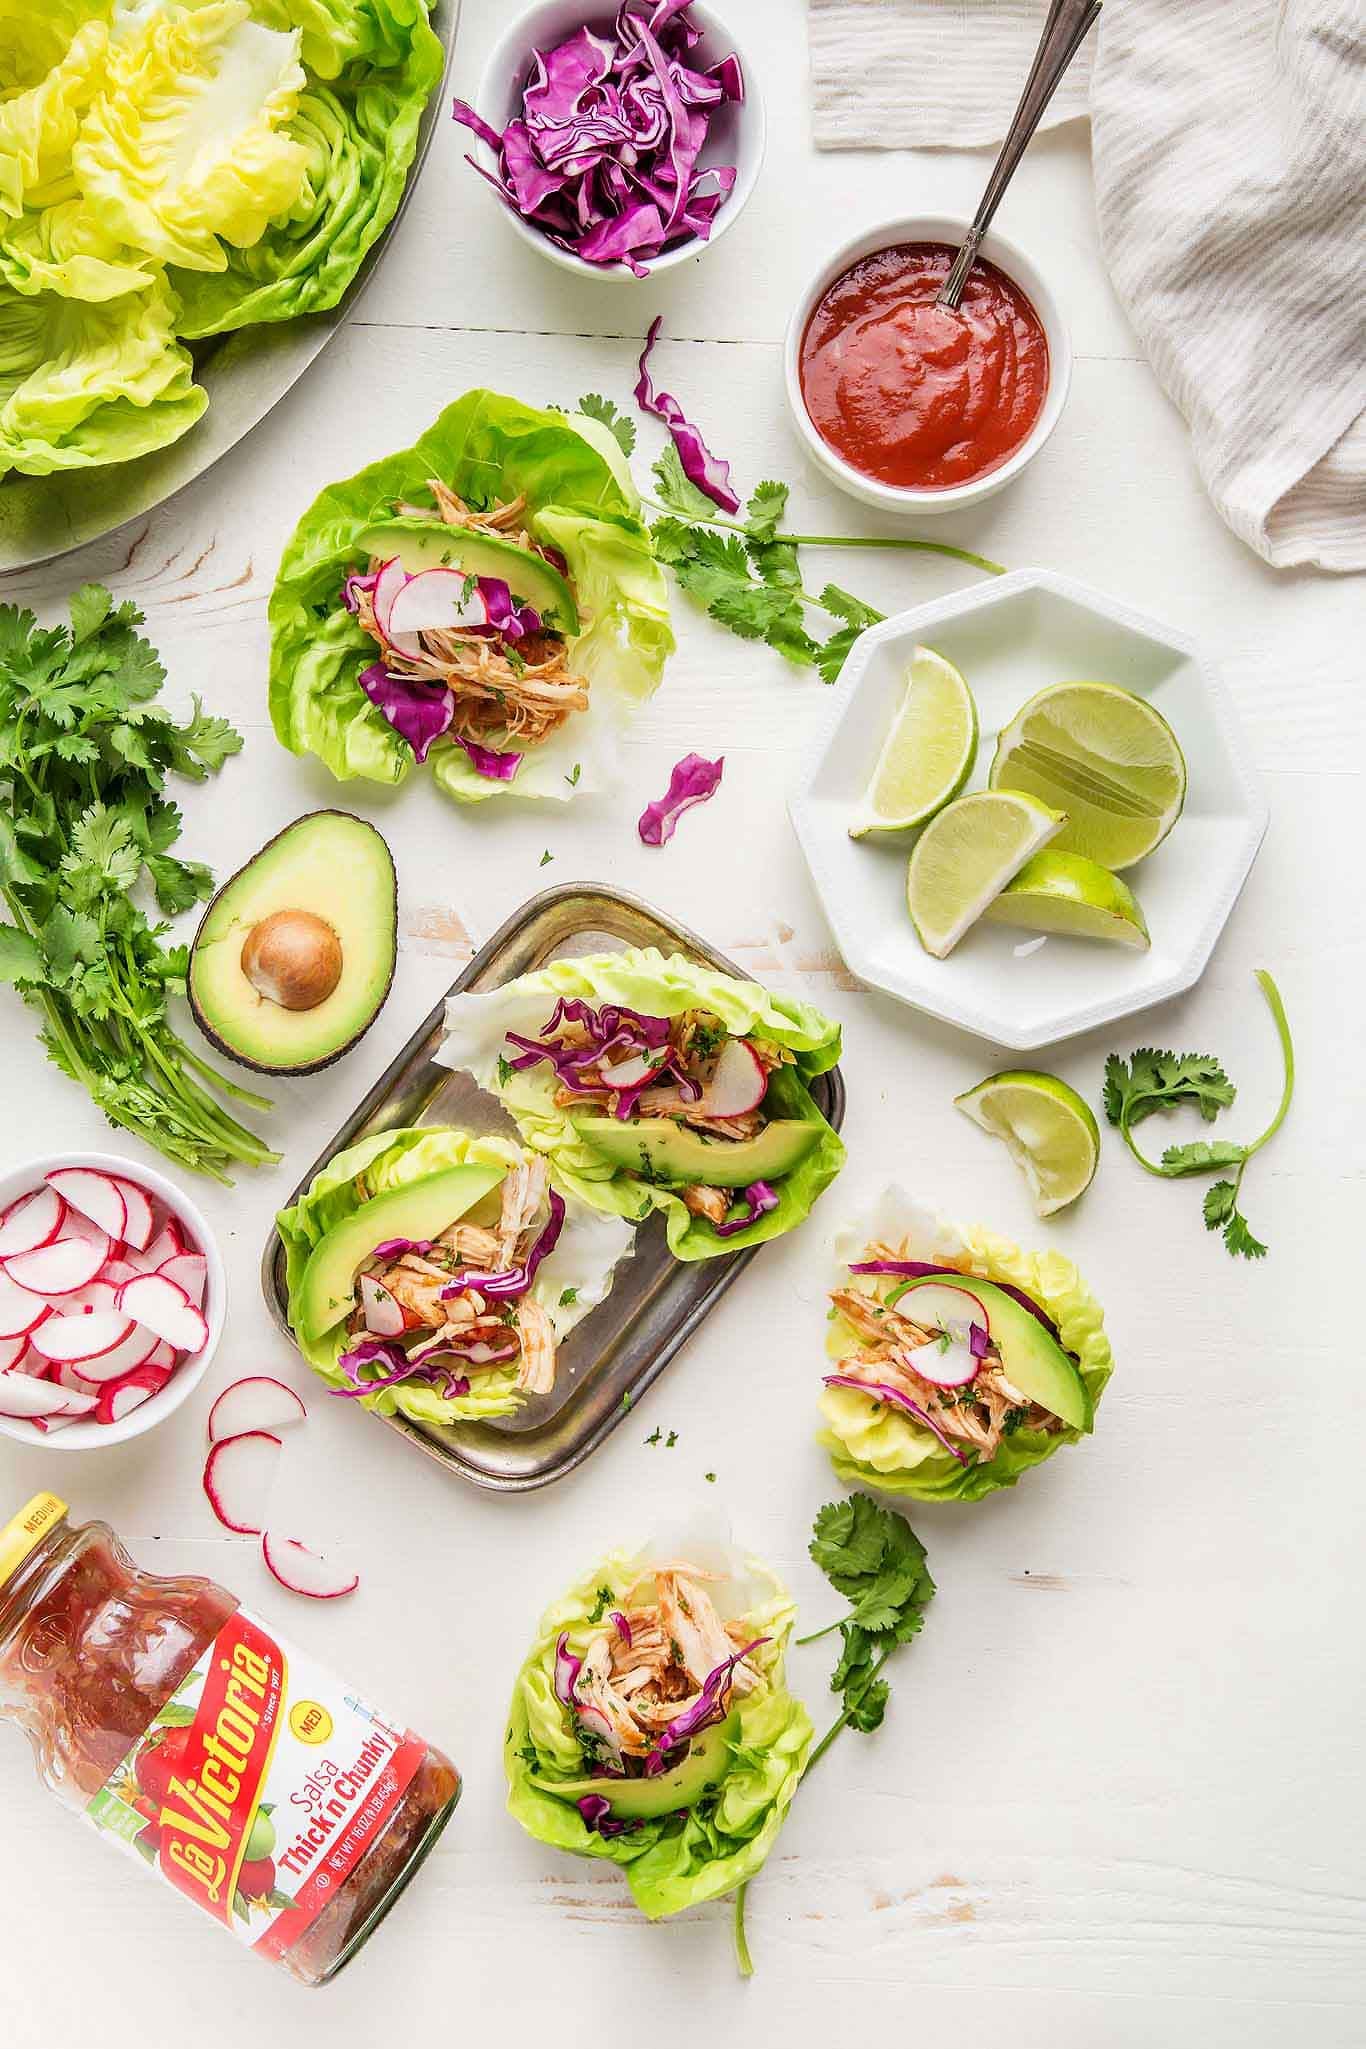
pixel 26 1532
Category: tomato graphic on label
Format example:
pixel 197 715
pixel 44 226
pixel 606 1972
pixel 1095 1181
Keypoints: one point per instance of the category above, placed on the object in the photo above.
pixel 256 1879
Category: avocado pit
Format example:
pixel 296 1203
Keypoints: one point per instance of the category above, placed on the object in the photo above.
pixel 293 958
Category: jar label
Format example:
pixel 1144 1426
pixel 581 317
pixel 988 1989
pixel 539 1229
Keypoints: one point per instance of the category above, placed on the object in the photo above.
pixel 259 1787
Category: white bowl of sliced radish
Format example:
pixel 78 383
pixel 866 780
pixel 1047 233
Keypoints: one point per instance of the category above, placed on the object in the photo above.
pixel 111 1300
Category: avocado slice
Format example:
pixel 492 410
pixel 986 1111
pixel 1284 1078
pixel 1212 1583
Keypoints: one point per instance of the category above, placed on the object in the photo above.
pixel 1033 1360
pixel 422 1209
pixel 428 544
pixel 641 1799
pixel 294 956
pixel 661 1151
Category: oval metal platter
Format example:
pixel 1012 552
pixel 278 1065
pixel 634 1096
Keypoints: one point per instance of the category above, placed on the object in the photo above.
pixel 245 375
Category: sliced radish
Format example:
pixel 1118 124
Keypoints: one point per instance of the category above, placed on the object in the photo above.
pixel 624 1074
pixel 84 1336
pixel 137 1203
pixel 137 1349
pixel 383 1315
pixel 390 581
pixel 165 1245
pixel 433 601
pixel 96 1195
pixel 190 1271
pixel 166 1309
pixel 96 1294
pixel 118 1269
pixel 304 1571
pixel 12 1351
pixel 164 1355
pixel 33 1220
pixel 61 1267
pixel 238 1475
pixel 64 1375
pixel 20 1309
pixel 21 1395
pixel 79 1226
pixel 950 1359
pixel 117 1398
pixel 737 1085
pixel 254 1404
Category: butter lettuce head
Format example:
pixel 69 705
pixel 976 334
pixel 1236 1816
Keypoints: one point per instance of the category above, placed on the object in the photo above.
pixel 83 384
pixel 581 1263
pixel 659 986
pixel 872 1444
pixel 680 1860
pixel 488 449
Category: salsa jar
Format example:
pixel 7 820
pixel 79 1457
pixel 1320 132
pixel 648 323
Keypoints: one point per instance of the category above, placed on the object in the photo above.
pixel 199 1742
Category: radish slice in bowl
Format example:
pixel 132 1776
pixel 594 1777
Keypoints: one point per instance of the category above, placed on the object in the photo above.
pixel 95 1195
pixel 35 1219
pixel 23 1397
pixel 61 1267
pixel 189 1270
pixel 137 1349
pixel 84 1336
pixel 238 1475
pixel 118 1398
pixel 21 1311
pixel 138 1215
pixel 305 1571
pixel 166 1309
pixel 256 1403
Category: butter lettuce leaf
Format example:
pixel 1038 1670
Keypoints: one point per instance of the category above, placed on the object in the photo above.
pixel 487 448
pixel 646 980
pixel 875 1445
pixel 679 1860
pixel 580 1265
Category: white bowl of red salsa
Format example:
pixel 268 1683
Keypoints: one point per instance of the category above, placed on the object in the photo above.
pixel 912 406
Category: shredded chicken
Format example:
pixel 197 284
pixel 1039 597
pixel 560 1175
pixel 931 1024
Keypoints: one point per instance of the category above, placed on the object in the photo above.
pixel 641 1677
pixel 711 1203
pixel 536 1366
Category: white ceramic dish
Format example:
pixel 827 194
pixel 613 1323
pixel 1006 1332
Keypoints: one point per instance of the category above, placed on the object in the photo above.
pixel 931 227
pixel 736 134
pixel 1010 636
pixel 186 1378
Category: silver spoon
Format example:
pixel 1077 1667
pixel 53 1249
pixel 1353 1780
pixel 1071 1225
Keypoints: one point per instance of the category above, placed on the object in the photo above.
pixel 1064 32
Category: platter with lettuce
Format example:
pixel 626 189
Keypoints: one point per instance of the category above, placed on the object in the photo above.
pixel 175 173
pixel 486 603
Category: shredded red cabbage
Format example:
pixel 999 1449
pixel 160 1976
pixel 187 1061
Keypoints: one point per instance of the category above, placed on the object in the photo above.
pixel 922 1269
pixel 978 1340
pixel 711 1705
pixel 760 1198
pixel 623 1627
pixel 567 1670
pixel 707 471
pixel 694 779
pixel 488 761
pixel 374 1352
pixel 394 1248
pixel 604 157
pixel 614 1033
pixel 882 1392
pixel 514 1280
pixel 418 712
pixel 599 1819
pixel 356 583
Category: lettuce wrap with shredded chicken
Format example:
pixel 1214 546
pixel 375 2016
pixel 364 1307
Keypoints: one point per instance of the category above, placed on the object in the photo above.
pixel 611 1065
pixel 479 1331
pixel 658 1680
pixel 919 1403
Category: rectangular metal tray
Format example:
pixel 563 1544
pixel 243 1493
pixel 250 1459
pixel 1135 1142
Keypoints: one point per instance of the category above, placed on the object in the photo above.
pixel 656 1302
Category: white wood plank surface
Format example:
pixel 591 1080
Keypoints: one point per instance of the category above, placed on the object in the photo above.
pixel 1118 1797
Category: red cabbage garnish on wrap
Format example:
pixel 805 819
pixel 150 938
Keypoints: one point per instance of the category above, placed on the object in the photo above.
pixel 924 1269
pixel 693 781
pixel 418 712
pixel 759 1198
pixel 712 1705
pixel 614 1036
pixel 708 472
pixel 514 1281
pixel 488 761
pixel 603 157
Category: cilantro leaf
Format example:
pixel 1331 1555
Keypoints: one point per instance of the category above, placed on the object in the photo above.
pixel 677 489
pixel 202 744
pixel 766 509
pixel 619 425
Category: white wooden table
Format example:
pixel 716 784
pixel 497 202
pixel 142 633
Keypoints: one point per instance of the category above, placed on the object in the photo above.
pixel 1117 1800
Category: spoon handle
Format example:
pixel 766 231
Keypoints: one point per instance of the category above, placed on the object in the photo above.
pixel 1064 32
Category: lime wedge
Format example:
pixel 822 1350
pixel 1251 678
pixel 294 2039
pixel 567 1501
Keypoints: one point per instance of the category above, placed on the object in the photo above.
pixel 1066 893
pixel 1050 1132
pixel 966 856
pixel 1103 756
pixel 928 753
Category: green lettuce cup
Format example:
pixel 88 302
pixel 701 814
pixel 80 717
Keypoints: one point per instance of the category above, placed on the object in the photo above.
pixel 373 1210
pixel 721 1183
pixel 683 1777
pixel 958 1361
pixel 551 521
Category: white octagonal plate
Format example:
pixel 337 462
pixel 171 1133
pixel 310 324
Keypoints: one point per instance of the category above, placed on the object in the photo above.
pixel 1010 637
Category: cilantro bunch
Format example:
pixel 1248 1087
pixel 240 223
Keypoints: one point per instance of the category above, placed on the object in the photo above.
pixel 874 1559
pixel 746 573
pixel 84 826
pixel 1150 1081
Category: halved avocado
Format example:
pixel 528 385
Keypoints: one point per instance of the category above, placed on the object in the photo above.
pixel 1030 1357
pixel 427 544
pixel 422 1209
pixel 639 1799
pixel 294 956
pixel 667 1153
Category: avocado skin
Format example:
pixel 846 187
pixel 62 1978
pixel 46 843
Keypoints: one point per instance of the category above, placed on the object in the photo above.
pixel 205 1023
pixel 657 1150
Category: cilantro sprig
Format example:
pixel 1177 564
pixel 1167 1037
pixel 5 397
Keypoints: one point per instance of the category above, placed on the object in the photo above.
pixel 1150 1081
pixel 874 1559
pixel 85 751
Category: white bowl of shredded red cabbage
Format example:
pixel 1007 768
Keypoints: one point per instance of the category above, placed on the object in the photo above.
pixel 620 145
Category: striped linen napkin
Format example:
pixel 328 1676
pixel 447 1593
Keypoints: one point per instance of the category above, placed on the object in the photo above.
pixel 1229 150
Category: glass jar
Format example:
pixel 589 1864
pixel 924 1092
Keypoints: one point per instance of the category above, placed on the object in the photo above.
pixel 198 1741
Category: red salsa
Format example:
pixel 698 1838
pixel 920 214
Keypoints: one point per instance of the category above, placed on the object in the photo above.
pixel 918 395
